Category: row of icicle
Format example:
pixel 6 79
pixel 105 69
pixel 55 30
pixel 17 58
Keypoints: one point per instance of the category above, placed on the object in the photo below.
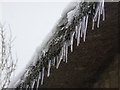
pixel 80 32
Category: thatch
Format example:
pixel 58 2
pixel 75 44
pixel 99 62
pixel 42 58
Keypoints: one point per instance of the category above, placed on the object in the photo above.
pixel 87 62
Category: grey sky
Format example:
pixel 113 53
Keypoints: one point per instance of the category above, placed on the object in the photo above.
pixel 30 24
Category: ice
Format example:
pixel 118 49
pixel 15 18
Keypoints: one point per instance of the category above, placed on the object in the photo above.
pixel 27 87
pixel 66 50
pixel 103 10
pixel 100 10
pixel 80 31
pixel 98 23
pixel 78 36
pixel 33 83
pixel 93 24
pixel 72 38
pixel 61 57
pixel 83 26
pixel 64 47
pixel 49 66
pixel 39 77
pixel 103 14
pixel 76 32
pixel 86 24
pixel 53 62
pixel 42 78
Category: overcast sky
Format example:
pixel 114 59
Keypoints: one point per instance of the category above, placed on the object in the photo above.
pixel 30 24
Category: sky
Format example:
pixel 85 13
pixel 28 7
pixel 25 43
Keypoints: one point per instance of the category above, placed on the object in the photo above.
pixel 30 23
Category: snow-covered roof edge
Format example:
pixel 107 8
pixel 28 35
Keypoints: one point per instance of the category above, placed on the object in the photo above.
pixel 73 24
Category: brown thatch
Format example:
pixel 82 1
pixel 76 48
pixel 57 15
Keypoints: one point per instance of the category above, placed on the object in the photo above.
pixel 94 63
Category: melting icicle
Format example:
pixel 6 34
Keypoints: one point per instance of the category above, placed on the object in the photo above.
pixel 66 52
pixel 78 37
pixel 64 47
pixel 83 26
pixel 39 77
pixel 72 38
pixel 42 78
pixel 103 14
pixel 33 83
pixel 96 14
pixel 93 24
pixel 49 66
pixel 103 10
pixel 99 11
pixel 61 57
pixel 86 24
pixel 27 87
pixel 53 63
pixel 76 32
pixel 98 23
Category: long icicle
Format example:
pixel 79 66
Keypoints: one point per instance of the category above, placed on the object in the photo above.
pixel 49 66
pixel 53 62
pixel 99 12
pixel 42 78
pixel 66 53
pixel 76 32
pixel 78 36
pixel 86 24
pixel 61 57
pixel 83 26
pixel 103 10
pixel 33 83
pixel 72 38
pixel 39 77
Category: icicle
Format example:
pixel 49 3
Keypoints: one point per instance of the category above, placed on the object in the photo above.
pixel 76 32
pixel 39 77
pixel 78 37
pixel 103 11
pixel 72 38
pixel 98 23
pixel 42 78
pixel 86 24
pixel 27 87
pixel 64 55
pixel 96 13
pixel 83 26
pixel 53 62
pixel 66 52
pixel 61 57
pixel 33 83
pixel 49 66
pixel 99 12
pixel 93 24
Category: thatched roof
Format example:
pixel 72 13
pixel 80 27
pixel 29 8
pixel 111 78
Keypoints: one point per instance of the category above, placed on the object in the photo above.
pixel 86 62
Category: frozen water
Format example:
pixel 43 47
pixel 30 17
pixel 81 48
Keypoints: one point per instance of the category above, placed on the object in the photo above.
pixel 72 38
pixel 49 66
pixel 42 78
